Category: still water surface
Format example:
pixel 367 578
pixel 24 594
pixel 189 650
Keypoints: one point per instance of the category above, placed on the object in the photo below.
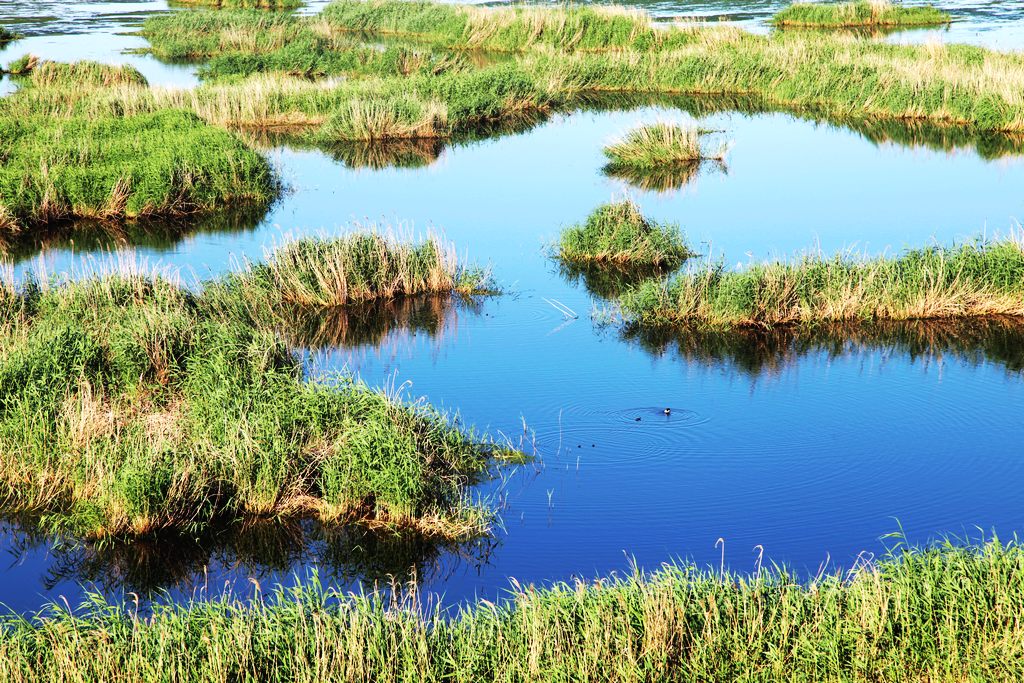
pixel 811 449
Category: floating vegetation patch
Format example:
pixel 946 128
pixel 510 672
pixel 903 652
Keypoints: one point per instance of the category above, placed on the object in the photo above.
pixel 677 623
pixel 861 13
pixel 981 278
pixel 620 234
pixel 661 156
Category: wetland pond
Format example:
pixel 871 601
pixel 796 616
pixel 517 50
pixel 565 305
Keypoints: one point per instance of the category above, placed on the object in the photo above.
pixel 809 449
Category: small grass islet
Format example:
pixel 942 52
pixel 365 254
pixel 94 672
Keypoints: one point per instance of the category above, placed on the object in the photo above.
pixel 981 278
pixel 173 411
pixel 654 146
pixel 243 4
pixel 859 14
pixel 911 615
pixel 7 35
pixel 619 234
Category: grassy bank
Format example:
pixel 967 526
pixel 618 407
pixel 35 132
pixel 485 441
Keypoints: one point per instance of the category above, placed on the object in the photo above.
pixel 109 163
pixel 977 279
pixel 862 13
pixel 941 614
pixel 619 234
pixel 165 412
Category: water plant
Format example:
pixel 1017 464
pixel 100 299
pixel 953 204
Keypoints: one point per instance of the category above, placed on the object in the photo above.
pixel 860 13
pixel 980 278
pixel 911 614
pixel 620 234
pixel 163 413
pixel 22 65
pixel 245 4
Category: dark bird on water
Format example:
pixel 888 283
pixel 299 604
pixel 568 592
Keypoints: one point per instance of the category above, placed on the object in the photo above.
pixel 667 411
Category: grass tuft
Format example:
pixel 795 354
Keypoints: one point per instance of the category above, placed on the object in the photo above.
pixel 620 234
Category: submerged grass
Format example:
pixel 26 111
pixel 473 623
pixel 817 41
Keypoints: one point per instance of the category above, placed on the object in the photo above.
pixel 945 613
pixel 163 411
pixel 976 279
pixel 619 234
pixel 861 13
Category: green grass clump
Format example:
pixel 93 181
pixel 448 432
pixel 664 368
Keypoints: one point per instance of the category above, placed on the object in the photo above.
pixel 199 35
pixel 976 279
pixel 363 266
pixel 619 234
pixel 861 13
pixel 22 65
pixel 507 29
pixel 60 162
pixel 169 163
pixel 944 614
pixel 163 412
pixel 657 145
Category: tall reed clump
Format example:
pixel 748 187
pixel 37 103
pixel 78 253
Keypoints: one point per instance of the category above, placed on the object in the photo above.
pixel 619 234
pixel 506 29
pixel 317 273
pixel 861 13
pixel 944 614
pixel 654 146
pixel 975 279
pixel 161 413
pixel 59 163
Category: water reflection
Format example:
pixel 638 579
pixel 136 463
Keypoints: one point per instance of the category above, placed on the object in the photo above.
pixel 349 556
pixel 998 340
pixel 377 324
pixel 157 235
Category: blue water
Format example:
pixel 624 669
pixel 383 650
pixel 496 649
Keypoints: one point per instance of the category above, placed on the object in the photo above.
pixel 811 451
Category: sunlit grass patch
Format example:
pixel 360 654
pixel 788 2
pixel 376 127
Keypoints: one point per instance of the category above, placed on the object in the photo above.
pixel 163 411
pixel 913 613
pixel 497 28
pixel 657 145
pixel 363 266
pixel 620 234
pixel 975 279
pixel 861 13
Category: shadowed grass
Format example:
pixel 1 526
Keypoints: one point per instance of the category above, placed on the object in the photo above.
pixel 913 615
pixel 620 234
pixel 160 412
pixel 977 279
pixel 7 35
pixel 861 13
